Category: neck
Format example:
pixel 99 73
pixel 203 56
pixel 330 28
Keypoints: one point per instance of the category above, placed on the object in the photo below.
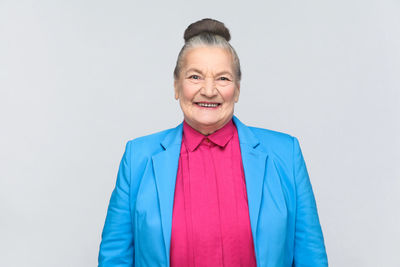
pixel 207 129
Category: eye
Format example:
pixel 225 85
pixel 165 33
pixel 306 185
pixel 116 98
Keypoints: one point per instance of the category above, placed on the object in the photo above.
pixel 224 79
pixel 194 76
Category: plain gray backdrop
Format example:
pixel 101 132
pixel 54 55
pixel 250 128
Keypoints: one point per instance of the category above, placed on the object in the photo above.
pixel 78 79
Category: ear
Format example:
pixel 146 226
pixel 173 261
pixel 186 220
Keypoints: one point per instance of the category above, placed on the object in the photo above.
pixel 176 89
pixel 237 92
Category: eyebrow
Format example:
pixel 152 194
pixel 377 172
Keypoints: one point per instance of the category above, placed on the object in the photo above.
pixel 199 71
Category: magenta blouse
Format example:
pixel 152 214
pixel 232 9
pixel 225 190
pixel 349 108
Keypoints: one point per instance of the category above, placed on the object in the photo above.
pixel 210 221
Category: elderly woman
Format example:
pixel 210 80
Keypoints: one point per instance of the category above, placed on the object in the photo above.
pixel 212 191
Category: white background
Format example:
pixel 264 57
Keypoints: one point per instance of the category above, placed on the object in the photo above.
pixel 78 79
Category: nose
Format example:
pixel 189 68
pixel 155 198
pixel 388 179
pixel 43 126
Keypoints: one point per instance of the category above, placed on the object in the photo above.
pixel 209 88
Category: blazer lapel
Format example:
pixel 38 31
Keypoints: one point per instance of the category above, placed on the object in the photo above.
pixel 165 169
pixel 254 162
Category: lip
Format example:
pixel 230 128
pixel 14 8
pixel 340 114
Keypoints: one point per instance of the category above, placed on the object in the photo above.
pixel 206 102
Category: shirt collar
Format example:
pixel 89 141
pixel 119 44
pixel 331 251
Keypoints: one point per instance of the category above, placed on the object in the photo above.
pixel 221 137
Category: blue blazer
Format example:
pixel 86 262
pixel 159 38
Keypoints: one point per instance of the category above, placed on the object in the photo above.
pixel 283 214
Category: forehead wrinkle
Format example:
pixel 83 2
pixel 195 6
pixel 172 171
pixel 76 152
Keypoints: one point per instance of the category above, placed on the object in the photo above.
pixel 216 74
pixel 196 60
pixel 224 72
pixel 193 69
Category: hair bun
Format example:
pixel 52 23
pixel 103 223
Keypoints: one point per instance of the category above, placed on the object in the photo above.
pixel 207 25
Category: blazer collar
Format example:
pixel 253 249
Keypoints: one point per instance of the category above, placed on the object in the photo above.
pixel 174 137
pixel 246 136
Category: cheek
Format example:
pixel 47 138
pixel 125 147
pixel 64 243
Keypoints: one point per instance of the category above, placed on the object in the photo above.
pixel 189 91
pixel 228 93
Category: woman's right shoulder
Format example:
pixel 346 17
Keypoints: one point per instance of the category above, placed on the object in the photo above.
pixel 140 150
pixel 152 143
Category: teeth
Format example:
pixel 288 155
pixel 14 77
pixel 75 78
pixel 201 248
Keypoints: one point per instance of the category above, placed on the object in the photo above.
pixel 207 105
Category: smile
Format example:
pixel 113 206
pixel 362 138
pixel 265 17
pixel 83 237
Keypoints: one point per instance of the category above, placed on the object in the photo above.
pixel 207 105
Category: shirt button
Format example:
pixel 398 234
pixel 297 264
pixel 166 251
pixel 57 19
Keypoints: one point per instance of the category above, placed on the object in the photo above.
pixel 207 140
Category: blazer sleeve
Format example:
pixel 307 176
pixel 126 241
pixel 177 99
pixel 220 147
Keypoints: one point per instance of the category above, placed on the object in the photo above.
pixel 309 248
pixel 116 247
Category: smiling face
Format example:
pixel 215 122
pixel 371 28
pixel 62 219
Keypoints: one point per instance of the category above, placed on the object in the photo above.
pixel 207 88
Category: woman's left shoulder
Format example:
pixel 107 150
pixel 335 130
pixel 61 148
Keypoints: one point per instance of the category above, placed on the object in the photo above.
pixel 272 136
pixel 275 142
pixel 266 137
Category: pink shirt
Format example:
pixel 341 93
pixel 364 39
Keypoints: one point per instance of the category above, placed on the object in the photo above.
pixel 210 221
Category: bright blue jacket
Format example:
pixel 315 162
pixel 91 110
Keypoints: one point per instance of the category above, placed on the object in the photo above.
pixel 283 214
